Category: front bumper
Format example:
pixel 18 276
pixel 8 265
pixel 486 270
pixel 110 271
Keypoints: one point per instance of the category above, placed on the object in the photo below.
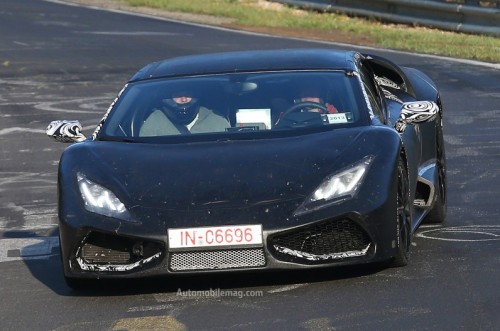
pixel 121 251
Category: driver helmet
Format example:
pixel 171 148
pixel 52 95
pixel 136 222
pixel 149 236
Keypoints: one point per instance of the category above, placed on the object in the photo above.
pixel 311 90
pixel 314 92
pixel 182 107
pixel 309 94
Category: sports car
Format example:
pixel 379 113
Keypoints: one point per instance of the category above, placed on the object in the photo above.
pixel 253 160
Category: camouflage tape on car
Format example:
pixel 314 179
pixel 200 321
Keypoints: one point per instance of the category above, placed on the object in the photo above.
pixel 65 131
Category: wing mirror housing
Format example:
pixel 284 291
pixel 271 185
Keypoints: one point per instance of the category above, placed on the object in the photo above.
pixel 416 112
pixel 66 131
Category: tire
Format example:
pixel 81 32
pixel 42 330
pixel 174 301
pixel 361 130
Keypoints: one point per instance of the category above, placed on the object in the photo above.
pixel 403 217
pixel 438 212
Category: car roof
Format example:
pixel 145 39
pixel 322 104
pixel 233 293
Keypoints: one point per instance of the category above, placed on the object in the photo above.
pixel 250 61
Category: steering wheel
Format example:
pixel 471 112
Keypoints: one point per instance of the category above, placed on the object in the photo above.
pixel 305 104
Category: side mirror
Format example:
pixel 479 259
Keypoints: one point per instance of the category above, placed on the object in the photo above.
pixel 416 112
pixel 66 131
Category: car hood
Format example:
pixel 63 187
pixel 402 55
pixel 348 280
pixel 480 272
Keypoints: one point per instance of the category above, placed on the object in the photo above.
pixel 271 176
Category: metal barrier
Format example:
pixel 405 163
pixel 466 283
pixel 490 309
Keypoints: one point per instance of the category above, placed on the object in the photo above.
pixel 479 17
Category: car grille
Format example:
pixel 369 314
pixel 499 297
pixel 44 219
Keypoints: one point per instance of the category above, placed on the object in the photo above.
pixel 96 254
pixel 217 259
pixel 329 240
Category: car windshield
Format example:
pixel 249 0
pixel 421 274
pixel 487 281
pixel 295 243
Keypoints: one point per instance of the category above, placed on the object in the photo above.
pixel 239 103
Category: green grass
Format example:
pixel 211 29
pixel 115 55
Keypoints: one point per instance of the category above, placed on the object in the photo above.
pixel 247 14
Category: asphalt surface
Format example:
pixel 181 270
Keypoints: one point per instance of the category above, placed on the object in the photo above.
pixel 68 62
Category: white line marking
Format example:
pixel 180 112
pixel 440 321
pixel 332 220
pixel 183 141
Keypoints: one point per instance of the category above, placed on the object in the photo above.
pixel 425 226
pixel 150 308
pixel 7 131
pixel 286 288
pixel 468 233
pixel 85 103
pixel 133 33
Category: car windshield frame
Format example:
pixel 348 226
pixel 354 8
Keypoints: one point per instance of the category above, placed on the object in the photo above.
pixel 253 104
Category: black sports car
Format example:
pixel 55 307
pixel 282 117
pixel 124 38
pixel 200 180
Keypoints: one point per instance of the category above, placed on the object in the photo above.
pixel 287 159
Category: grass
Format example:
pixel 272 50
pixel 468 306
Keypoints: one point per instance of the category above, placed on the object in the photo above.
pixel 261 15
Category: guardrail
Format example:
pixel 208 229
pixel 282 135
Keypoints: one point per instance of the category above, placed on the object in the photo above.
pixel 479 17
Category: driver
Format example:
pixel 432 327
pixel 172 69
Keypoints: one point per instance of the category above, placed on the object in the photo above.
pixel 308 99
pixel 310 94
pixel 182 114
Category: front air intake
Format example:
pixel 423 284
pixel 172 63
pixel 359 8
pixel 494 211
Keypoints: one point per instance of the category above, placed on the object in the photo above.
pixel 330 240
pixel 106 252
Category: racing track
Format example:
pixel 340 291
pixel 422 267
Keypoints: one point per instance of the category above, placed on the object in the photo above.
pixel 68 62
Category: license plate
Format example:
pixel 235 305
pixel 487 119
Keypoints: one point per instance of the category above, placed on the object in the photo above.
pixel 215 236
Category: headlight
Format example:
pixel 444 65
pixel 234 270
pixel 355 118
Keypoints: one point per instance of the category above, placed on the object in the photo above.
pixel 100 200
pixel 337 187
